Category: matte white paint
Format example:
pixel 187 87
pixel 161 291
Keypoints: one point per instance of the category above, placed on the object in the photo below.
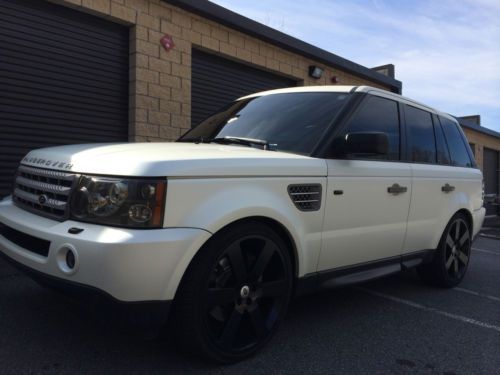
pixel 211 186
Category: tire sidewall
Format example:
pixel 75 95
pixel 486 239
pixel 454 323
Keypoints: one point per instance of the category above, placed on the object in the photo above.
pixel 211 253
pixel 450 281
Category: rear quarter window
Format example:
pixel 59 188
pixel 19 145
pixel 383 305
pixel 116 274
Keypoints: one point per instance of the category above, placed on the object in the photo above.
pixel 456 144
pixel 443 155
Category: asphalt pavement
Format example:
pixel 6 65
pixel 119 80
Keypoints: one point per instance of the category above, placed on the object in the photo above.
pixel 395 325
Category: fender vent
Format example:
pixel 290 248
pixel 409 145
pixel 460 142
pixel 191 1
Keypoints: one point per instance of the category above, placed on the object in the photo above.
pixel 306 197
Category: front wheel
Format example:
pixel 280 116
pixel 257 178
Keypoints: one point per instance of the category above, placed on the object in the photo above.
pixel 452 255
pixel 235 293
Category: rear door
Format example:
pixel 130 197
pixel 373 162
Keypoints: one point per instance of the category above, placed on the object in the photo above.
pixel 431 169
pixel 443 181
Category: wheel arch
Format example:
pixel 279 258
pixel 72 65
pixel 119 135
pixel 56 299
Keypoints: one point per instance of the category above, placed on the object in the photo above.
pixel 468 216
pixel 275 225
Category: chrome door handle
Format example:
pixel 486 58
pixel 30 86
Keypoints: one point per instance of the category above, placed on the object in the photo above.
pixel 397 189
pixel 447 188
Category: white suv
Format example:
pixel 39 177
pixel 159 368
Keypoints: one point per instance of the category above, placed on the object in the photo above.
pixel 278 194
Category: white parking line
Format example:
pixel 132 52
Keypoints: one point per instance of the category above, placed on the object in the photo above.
pixel 485 251
pixel 493 298
pixel 431 309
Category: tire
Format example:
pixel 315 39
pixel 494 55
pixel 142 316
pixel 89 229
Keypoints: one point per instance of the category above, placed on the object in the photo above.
pixel 234 294
pixel 452 256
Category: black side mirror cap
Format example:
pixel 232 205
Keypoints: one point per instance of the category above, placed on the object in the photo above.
pixel 364 143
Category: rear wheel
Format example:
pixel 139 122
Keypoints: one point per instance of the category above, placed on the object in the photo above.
pixel 452 255
pixel 235 293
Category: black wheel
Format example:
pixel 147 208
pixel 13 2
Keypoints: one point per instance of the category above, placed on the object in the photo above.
pixel 234 294
pixel 452 255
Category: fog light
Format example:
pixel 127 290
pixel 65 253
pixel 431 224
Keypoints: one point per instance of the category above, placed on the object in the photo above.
pixel 140 213
pixel 70 259
pixel 67 259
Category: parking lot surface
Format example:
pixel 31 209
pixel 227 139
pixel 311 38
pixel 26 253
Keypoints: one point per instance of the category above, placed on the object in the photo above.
pixel 395 325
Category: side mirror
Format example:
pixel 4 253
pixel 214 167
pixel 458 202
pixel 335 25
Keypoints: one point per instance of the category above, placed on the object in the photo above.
pixel 364 143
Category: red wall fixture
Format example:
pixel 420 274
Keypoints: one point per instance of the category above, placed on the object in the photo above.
pixel 167 42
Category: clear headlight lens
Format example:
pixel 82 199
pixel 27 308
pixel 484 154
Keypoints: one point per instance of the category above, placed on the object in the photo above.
pixel 118 201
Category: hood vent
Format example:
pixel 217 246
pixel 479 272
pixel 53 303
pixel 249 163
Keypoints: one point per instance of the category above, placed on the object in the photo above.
pixel 306 197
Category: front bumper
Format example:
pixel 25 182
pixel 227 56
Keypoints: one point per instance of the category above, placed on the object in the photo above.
pixel 129 265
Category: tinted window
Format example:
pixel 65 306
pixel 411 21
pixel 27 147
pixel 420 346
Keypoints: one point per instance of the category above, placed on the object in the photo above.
pixel 293 122
pixel 443 155
pixel 421 141
pixel 378 115
pixel 458 151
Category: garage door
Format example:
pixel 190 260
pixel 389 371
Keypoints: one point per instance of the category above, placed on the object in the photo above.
pixel 217 81
pixel 64 79
pixel 491 175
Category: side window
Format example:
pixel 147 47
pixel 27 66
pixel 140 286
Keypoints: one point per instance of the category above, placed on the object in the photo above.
pixel 378 115
pixel 458 151
pixel 443 155
pixel 422 145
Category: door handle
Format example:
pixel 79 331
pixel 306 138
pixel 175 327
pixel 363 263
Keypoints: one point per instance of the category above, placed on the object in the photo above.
pixel 447 188
pixel 397 189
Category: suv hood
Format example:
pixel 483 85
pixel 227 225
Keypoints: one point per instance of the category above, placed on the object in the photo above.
pixel 173 159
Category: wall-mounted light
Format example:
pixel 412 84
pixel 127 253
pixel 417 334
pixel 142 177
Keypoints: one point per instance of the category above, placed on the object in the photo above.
pixel 315 72
pixel 334 79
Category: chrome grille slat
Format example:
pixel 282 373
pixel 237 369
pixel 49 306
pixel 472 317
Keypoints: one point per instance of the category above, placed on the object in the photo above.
pixel 47 173
pixel 45 192
pixel 33 198
pixel 43 186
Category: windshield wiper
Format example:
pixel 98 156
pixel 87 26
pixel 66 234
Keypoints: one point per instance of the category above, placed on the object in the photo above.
pixel 244 141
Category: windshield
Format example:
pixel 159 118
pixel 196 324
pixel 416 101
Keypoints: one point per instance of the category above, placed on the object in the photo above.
pixel 291 122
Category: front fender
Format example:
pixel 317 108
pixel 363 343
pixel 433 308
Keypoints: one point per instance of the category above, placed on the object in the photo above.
pixel 212 204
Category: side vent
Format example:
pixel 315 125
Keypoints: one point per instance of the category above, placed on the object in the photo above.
pixel 306 197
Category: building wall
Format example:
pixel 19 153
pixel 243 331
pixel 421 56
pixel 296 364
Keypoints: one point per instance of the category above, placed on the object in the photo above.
pixel 160 81
pixel 480 141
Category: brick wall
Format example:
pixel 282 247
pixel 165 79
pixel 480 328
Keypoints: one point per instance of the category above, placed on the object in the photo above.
pixel 160 81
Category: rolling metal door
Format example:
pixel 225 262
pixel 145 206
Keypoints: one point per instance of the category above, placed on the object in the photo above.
pixel 217 81
pixel 491 175
pixel 64 79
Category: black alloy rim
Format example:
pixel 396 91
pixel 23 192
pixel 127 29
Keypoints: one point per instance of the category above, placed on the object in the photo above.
pixel 457 249
pixel 247 292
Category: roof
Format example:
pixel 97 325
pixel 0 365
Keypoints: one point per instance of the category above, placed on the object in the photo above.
pixel 468 124
pixel 246 25
pixel 336 88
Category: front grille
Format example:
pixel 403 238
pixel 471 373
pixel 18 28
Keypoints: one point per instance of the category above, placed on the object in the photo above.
pixel 306 197
pixel 34 244
pixel 43 191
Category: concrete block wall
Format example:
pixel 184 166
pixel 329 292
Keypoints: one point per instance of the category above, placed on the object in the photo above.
pixel 160 80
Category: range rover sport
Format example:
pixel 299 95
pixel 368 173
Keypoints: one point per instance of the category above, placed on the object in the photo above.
pixel 278 194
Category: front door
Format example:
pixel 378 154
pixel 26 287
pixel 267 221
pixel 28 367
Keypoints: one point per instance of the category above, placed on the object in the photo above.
pixel 368 196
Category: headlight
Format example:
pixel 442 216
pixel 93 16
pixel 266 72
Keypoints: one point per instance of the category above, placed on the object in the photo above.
pixel 118 201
